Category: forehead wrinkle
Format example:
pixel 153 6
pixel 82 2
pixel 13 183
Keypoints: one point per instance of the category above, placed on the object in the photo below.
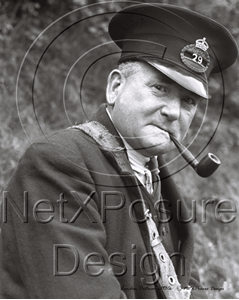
pixel 159 76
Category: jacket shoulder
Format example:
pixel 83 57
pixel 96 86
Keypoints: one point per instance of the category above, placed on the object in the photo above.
pixel 65 144
pixel 69 151
pixel 69 138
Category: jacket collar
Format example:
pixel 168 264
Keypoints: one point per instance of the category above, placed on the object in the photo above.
pixel 118 158
pixel 102 117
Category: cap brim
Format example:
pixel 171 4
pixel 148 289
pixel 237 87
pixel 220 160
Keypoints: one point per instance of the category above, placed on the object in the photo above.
pixel 180 76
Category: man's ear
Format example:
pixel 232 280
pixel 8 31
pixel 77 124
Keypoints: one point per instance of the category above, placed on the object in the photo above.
pixel 115 83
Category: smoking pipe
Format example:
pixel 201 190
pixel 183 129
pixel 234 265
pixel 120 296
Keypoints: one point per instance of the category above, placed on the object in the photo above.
pixel 205 167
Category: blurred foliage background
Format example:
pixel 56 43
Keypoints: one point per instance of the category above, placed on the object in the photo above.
pixel 54 62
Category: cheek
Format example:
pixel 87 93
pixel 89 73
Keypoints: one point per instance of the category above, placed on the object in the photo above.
pixel 124 120
pixel 128 113
pixel 186 121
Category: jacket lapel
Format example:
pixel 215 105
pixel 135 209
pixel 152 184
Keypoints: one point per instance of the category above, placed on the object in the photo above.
pixel 121 163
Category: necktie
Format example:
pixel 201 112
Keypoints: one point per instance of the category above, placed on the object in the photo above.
pixel 153 183
pixel 148 181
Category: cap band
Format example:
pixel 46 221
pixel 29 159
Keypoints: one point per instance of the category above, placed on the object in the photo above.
pixel 166 47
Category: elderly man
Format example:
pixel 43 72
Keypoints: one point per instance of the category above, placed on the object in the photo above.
pixel 91 212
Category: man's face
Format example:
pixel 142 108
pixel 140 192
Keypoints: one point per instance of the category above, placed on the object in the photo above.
pixel 148 105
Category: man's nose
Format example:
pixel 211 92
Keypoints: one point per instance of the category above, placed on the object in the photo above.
pixel 171 109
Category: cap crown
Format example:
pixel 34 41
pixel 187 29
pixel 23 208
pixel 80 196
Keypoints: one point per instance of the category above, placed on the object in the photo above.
pixel 162 31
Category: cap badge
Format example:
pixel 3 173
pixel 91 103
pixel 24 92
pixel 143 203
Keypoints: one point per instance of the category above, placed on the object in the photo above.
pixel 195 56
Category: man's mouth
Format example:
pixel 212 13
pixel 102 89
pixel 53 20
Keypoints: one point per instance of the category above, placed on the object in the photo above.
pixel 168 132
pixel 165 130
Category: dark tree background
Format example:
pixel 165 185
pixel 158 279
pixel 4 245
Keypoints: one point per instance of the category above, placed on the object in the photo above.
pixel 54 61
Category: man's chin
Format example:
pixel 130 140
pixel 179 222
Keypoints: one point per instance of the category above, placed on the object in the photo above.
pixel 155 150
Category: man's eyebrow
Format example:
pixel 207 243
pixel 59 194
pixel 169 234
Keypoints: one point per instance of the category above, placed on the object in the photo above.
pixel 163 79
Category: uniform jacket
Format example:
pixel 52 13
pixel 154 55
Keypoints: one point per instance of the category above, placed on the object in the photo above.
pixel 73 224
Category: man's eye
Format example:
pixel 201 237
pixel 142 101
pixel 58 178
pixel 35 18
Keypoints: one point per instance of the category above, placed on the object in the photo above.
pixel 190 101
pixel 161 88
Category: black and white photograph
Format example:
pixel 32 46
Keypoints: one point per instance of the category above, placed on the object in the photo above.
pixel 119 149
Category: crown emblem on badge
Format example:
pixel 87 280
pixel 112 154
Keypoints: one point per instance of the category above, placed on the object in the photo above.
pixel 195 56
pixel 202 44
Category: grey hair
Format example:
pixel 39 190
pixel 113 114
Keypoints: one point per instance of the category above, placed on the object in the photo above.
pixel 129 68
